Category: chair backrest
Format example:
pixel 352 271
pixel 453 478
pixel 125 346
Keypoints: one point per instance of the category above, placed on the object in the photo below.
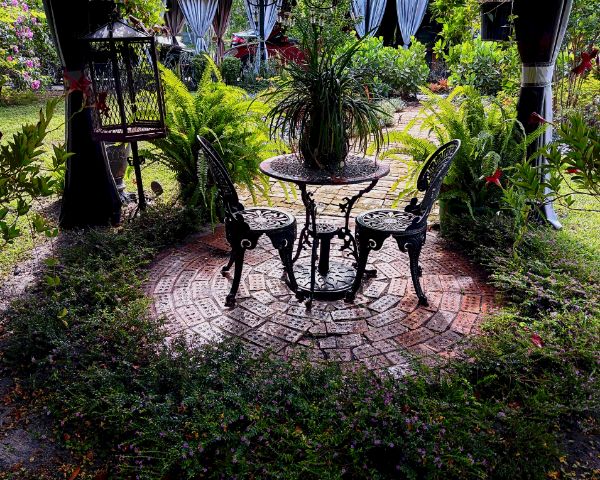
pixel 431 177
pixel 221 177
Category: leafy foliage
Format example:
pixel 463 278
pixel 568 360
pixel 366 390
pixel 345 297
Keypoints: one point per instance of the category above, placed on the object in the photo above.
pixel 391 71
pixel 223 114
pixel 572 168
pixel 487 66
pixel 491 138
pixel 458 19
pixel 231 69
pixel 28 60
pixel 23 177
pixel 322 103
pixel 149 12
pixel 145 407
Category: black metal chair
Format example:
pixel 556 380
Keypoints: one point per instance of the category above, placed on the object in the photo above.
pixel 408 227
pixel 244 226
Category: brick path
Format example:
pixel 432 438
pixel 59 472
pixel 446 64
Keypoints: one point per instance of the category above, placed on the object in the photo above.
pixel 384 329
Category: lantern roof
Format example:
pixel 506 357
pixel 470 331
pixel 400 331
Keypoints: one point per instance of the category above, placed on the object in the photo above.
pixel 116 29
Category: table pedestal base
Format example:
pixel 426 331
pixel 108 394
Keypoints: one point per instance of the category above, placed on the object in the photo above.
pixel 331 286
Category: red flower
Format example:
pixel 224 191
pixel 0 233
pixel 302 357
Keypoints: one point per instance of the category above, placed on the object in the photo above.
pixel 536 119
pixel 537 340
pixel 495 178
pixel 573 170
pixel 82 85
pixel 101 105
pixel 586 62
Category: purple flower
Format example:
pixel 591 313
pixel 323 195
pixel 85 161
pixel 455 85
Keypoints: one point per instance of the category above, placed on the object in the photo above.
pixel 35 85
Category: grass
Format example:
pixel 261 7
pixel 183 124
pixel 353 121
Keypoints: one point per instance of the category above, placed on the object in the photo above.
pixel 583 229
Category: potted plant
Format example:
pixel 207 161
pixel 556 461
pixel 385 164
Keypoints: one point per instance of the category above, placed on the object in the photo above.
pixel 117 154
pixel 321 106
pixel 495 19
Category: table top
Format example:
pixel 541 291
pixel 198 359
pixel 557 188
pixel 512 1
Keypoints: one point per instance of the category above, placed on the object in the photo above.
pixel 291 168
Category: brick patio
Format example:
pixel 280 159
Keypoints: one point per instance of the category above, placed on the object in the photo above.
pixel 383 329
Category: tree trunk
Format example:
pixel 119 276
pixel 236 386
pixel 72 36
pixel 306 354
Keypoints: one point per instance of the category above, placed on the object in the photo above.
pixel 90 197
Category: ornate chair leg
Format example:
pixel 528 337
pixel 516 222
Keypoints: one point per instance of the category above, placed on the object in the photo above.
pixel 231 261
pixel 237 254
pixel 284 243
pixel 365 245
pixel 414 251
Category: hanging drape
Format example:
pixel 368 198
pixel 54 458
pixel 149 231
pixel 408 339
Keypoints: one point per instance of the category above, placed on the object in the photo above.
pixel 199 15
pixel 220 24
pixel 174 19
pixel 540 27
pixel 370 11
pixel 272 8
pixel 410 16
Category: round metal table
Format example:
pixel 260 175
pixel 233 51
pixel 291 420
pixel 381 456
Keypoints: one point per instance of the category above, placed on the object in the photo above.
pixel 328 279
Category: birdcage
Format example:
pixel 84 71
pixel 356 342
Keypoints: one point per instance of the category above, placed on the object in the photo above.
pixel 125 91
pixel 127 99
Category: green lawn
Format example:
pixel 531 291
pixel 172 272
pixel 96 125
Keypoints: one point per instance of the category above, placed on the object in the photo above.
pixel 583 229
pixel 11 120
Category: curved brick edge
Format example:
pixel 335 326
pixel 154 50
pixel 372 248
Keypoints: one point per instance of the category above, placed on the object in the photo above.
pixel 384 328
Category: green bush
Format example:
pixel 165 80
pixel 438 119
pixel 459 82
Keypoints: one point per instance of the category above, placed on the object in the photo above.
pixel 227 117
pixel 231 69
pixel 24 178
pixel 487 66
pixel 491 139
pixel 28 58
pixel 391 71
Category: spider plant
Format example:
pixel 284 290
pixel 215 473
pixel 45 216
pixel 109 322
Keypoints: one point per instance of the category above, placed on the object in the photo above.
pixel 321 107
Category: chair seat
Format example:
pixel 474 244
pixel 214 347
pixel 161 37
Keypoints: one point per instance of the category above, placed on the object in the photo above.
pixel 267 219
pixel 390 221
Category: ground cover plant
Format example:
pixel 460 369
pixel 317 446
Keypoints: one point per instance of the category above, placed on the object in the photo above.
pixel 126 403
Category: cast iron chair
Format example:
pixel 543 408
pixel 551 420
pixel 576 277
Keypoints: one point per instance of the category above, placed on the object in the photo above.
pixel 408 227
pixel 244 226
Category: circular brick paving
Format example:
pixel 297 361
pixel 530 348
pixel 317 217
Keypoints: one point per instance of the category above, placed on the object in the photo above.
pixel 383 329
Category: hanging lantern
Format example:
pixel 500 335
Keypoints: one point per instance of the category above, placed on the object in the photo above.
pixel 495 20
pixel 126 95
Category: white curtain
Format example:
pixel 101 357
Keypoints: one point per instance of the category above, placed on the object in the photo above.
pixel 272 8
pixel 410 16
pixel 359 10
pixel 199 15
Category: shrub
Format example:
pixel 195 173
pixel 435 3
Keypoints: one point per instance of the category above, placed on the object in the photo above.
pixel 487 66
pixel 391 71
pixel 231 69
pixel 24 179
pixel 387 110
pixel 459 21
pixel 27 54
pixel 491 139
pixel 226 116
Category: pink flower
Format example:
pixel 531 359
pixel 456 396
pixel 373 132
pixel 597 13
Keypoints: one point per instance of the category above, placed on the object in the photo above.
pixel 9 58
pixel 25 7
pixel 14 3
pixel 29 63
pixel 35 85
